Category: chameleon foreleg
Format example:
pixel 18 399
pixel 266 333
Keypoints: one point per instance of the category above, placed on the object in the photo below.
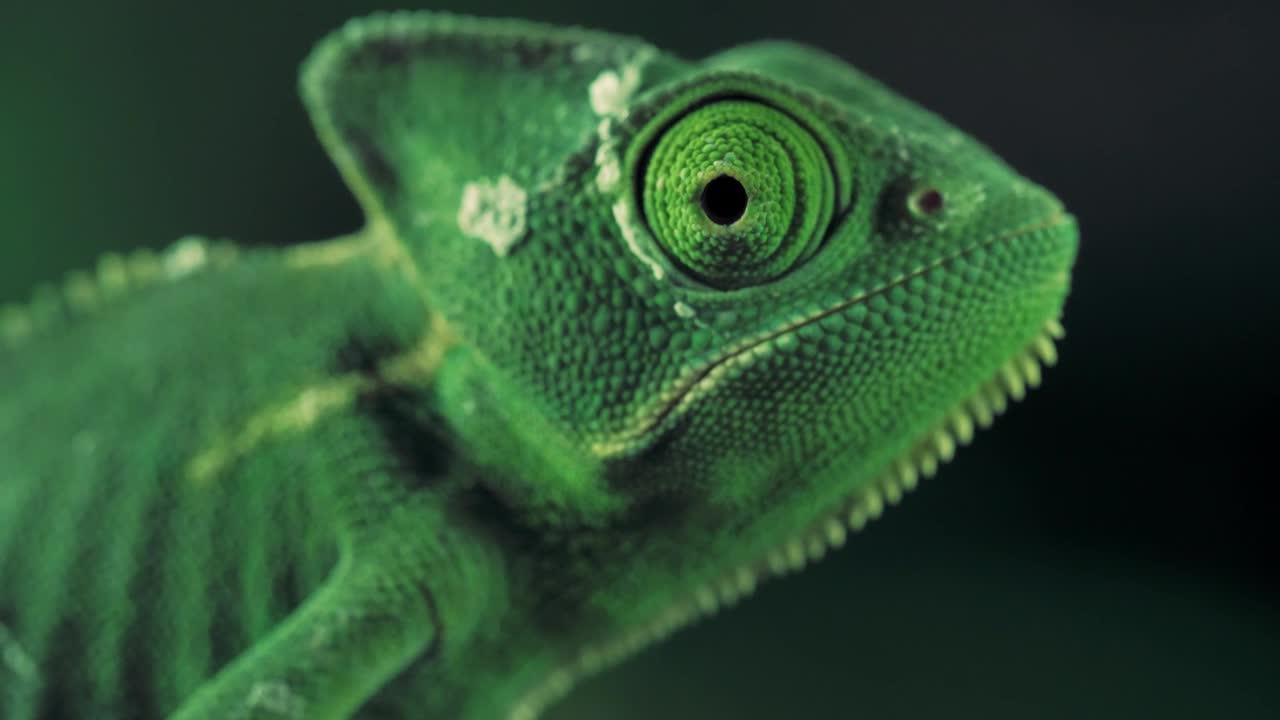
pixel 405 572
pixel 331 655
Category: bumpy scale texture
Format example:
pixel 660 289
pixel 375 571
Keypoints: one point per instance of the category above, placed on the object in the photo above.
pixel 623 336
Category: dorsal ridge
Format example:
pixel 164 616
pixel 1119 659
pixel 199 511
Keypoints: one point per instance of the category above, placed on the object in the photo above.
pixel 82 293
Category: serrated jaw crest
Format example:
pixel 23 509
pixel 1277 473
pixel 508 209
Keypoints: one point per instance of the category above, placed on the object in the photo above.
pixel 831 530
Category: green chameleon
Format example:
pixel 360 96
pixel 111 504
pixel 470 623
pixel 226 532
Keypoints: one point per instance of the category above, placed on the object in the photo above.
pixel 623 336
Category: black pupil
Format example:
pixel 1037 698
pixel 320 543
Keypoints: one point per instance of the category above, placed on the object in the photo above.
pixel 724 200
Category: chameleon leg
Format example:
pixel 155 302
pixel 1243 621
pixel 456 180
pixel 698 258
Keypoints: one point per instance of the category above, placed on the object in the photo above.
pixel 331 655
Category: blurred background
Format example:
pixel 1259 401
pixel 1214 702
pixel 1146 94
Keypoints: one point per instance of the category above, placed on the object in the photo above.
pixel 1107 551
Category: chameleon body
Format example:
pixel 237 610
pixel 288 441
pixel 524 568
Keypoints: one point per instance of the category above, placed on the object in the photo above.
pixel 623 336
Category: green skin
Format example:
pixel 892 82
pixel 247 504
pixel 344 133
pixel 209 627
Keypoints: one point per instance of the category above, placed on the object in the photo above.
pixel 556 399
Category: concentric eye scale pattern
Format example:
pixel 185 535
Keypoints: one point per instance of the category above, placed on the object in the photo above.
pixel 829 531
pixel 738 193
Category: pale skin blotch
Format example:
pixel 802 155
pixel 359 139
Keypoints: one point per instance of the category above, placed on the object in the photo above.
pixel 187 256
pixel 276 699
pixel 494 211
pixel 608 95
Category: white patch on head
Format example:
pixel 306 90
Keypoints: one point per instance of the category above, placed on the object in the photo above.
pixel 610 94
pixel 276 698
pixel 494 211
pixel 608 160
pixel 622 215
pixel 683 310
pixel 610 172
pixel 610 91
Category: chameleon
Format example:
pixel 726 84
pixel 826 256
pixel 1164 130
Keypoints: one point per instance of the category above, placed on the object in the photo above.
pixel 623 336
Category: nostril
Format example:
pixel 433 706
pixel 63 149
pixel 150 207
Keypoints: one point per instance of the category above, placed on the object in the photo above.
pixel 926 202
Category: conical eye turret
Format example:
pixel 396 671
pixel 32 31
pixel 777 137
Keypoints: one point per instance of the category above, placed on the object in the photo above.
pixel 738 193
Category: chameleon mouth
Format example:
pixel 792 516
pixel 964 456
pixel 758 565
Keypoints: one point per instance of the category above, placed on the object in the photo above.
pixel 828 531
pixel 698 382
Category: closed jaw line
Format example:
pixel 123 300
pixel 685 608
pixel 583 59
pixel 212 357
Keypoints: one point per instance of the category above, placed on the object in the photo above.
pixel 828 531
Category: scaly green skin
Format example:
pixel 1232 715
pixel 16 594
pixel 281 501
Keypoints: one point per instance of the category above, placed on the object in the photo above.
pixel 554 401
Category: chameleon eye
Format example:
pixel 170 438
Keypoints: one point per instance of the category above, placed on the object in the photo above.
pixel 738 193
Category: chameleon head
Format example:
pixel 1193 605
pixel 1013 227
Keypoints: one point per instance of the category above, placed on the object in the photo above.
pixel 759 292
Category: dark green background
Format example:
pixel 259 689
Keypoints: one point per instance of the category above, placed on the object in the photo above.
pixel 1106 551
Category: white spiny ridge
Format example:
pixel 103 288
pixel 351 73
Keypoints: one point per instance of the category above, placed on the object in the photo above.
pixel 83 291
pixel 829 531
